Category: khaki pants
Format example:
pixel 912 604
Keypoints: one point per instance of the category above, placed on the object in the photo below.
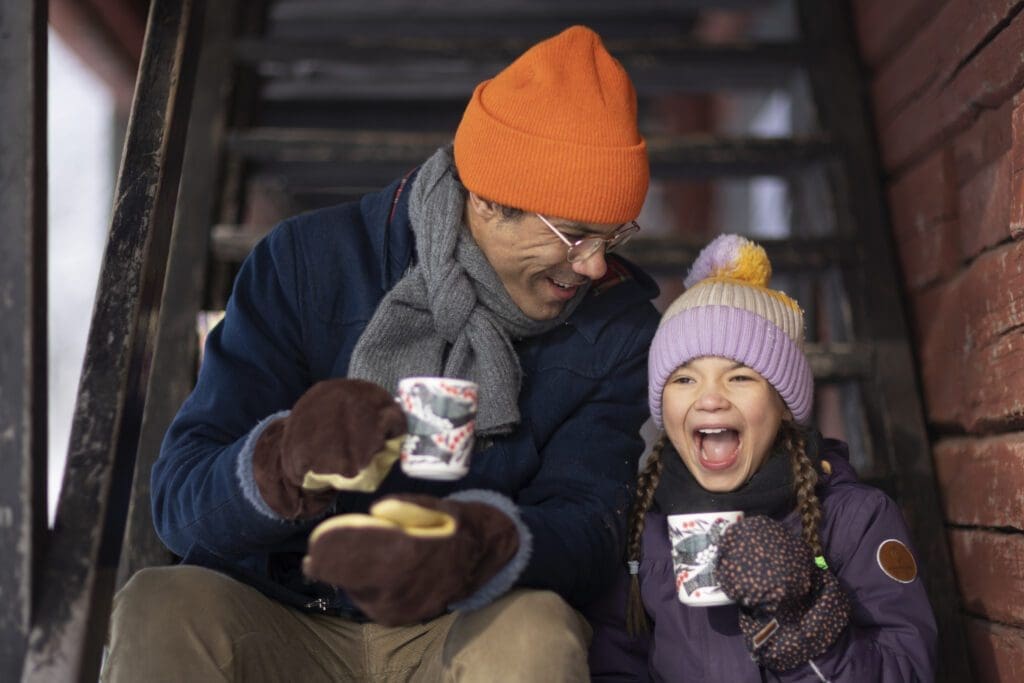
pixel 192 624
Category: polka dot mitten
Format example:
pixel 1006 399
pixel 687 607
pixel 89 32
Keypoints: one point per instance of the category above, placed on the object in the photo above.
pixel 790 610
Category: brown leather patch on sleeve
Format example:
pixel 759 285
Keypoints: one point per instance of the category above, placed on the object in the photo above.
pixel 896 560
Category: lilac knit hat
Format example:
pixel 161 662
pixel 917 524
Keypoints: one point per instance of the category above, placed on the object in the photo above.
pixel 728 310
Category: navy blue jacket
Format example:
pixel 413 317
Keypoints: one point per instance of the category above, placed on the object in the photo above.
pixel 299 304
pixel 891 638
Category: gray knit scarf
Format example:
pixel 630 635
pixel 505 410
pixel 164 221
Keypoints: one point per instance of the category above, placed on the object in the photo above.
pixel 450 315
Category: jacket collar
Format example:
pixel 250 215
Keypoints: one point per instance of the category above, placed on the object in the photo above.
pixel 386 213
pixel 624 286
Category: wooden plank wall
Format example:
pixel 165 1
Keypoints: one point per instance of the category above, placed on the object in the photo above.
pixel 948 96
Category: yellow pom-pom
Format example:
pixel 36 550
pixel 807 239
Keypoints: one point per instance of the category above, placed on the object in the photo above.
pixel 752 266
pixel 733 257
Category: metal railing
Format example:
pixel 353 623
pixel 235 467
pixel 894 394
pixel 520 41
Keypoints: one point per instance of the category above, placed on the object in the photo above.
pixel 77 574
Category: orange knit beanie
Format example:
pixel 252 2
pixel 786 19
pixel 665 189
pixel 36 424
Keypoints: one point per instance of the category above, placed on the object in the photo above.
pixel 556 133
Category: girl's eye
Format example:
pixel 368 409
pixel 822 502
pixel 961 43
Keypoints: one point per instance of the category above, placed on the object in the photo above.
pixel 682 379
pixel 741 378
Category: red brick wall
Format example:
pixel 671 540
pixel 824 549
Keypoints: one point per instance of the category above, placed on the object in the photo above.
pixel 946 87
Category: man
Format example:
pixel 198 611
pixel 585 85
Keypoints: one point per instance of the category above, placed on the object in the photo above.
pixel 487 263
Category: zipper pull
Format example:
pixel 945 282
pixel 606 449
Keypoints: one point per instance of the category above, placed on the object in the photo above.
pixel 319 604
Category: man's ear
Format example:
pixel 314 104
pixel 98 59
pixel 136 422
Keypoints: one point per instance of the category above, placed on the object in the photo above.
pixel 483 208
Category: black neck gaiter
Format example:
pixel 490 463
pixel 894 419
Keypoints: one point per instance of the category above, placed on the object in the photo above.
pixel 770 491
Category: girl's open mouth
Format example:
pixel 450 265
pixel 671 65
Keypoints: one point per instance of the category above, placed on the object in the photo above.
pixel 718 448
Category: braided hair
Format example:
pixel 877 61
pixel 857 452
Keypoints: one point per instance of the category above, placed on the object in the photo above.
pixel 791 438
pixel 646 485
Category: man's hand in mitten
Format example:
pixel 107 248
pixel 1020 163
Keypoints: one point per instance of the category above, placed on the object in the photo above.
pixel 412 556
pixel 342 434
pixel 790 610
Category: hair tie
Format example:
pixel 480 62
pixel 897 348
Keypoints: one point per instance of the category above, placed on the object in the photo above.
pixel 820 561
pixel 634 567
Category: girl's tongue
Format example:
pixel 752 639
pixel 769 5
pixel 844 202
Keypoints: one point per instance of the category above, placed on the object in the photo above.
pixel 719 450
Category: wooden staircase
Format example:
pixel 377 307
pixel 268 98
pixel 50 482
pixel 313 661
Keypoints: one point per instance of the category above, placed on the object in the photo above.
pixel 295 104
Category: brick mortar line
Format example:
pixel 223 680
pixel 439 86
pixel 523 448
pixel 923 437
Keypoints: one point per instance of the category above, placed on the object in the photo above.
pixel 1003 531
pixel 964 266
pixel 985 41
pixel 981 617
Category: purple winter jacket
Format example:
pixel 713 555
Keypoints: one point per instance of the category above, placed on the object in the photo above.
pixel 891 637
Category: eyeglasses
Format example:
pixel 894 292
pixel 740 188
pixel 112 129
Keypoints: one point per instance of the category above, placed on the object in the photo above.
pixel 582 249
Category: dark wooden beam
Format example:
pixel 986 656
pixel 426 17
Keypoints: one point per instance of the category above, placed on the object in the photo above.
pixel 840 362
pixel 70 625
pixel 176 351
pixel 385 10
pixel 23 333
pixel 232 243
pixel 531 28
pixel 659 256
pixel 704 156
pixel 358 114
pixel 670 51
pixel 350 154
pixel 399 68
pixel 246 104
pixel 893 405
pixel 327 145
pixel 672 256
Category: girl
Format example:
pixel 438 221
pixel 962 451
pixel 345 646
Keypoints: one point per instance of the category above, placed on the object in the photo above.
pixel 825 585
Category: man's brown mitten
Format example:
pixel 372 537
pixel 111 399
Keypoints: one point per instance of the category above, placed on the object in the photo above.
pixel 412 556
pixel 342 434
pixel 790 610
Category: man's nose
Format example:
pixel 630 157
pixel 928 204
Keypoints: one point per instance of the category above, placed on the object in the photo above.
pixel 593 267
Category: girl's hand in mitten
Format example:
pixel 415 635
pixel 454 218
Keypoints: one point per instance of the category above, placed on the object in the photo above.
pixel 342 434
pixel 790 610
